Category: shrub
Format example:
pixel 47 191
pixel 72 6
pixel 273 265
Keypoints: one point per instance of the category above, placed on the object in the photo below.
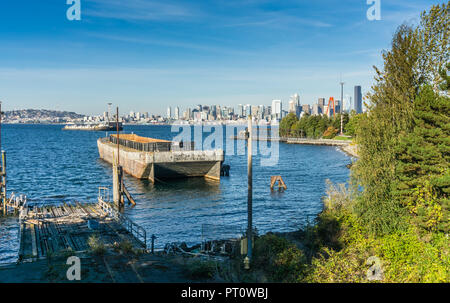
pixel 200 270
pixel 97 247
pixel 281 260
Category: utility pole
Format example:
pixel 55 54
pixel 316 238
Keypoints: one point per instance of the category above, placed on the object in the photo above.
pixel 117 172
pixel 342 107
pixel 250 189
pixel 118 146
pixel 0 125
pixel 3 183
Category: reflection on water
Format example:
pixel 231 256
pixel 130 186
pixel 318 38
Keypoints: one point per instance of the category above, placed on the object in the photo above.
pixel 51 166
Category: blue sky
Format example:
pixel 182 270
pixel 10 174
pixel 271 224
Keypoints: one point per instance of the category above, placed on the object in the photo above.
pixel 147 55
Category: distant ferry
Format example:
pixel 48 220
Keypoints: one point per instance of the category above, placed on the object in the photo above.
pixel 105 126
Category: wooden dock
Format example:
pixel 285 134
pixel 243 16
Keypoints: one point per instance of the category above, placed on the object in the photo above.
pixel 50 230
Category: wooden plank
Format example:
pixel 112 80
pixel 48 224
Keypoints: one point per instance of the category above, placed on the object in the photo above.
pixel 53 212
pixel 40 249
pixel 67 209
pixel 81 208
pixel 33 242
pixel 128 195
pixel 22 240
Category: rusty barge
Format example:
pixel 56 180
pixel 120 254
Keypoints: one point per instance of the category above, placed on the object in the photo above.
pixel 155 159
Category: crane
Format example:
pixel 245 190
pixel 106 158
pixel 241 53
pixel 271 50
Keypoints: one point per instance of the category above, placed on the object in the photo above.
pixel 331 102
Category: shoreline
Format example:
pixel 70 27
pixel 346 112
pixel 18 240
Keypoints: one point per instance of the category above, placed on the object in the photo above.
pixel 351 150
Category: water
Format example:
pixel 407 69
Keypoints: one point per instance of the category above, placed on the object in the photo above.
pixel 50 166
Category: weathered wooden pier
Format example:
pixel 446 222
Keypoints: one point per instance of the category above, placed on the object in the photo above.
pixel 48 230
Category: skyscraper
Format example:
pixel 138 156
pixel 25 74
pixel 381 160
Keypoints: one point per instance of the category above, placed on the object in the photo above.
pixel 294 104
pixel 316 109
pixel 306 109
pixel 169 112
pixel 240 111
pixel 358 99
pixel 177 113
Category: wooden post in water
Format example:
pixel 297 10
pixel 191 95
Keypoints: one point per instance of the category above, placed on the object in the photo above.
pixel 118 146
pixel 250 189
pixel 118 173
pixel 116 184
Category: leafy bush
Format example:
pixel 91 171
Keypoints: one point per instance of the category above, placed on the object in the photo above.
pixel 200 270
pixel 97 247
pixel 408 259
pixel 281 260
pixel 330 133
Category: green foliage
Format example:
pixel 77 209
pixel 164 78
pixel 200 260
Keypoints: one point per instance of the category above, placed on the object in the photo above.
pixel 310 126
pixel 330 133
pixel 426 208
pixel 444 84
pixel 343 246
pixel 423 166
pixel 125 247
pixel 433 32
pixel 96 246
pixel 200 270
pixel 287 123
pixel 290 265
pixel 408 259
pixel 398 207
pixel 378 134
pixel 390 140
pixel 352 125
pixel 404 257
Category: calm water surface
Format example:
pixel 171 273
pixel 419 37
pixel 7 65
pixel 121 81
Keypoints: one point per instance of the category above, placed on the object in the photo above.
pixel 50 166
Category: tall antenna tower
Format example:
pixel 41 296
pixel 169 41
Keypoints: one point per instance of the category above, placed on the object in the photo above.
pixel 341 107
pixel 109 111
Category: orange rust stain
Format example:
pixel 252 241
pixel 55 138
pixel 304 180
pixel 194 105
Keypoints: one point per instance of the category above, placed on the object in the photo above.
pixel 139 139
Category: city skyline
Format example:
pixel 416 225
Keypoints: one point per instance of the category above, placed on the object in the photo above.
pixel 147 55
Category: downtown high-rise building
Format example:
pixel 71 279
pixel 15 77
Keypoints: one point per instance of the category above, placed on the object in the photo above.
pixel 316 109
pixel 169 112
pixel 306 108
pixel 277 109
pixel 240 111
pixel 358 100
pixel 294 105
pixel 177 113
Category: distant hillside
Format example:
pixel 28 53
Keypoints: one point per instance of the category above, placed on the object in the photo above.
pixel 40 115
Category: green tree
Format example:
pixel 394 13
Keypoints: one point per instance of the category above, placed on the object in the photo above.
pixel 286 124
pixel 390 114
pixel 417 56
pixel 424 157
pixel 352 125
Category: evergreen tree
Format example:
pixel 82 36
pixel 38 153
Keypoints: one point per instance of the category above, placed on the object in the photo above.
pixel 424 161
pixel 403 140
